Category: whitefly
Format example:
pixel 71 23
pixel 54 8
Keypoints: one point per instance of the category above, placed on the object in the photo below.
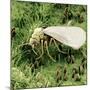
pixel 71 36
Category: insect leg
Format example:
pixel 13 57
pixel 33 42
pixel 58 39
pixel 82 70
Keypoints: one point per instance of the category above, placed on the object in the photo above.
pixel 34 51
pixel 50 41
pixel 42 50
pixel 58 47
pixel 28 44
pixel 48 52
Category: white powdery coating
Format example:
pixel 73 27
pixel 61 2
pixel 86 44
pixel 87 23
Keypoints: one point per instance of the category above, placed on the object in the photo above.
pixel 71 36
pixel 36 36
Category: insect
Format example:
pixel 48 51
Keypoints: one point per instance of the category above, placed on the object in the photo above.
pixel 73 37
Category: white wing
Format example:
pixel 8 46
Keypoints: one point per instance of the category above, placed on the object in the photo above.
pixel 74 37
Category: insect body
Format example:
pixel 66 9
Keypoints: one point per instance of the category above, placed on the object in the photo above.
pixel 73 37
